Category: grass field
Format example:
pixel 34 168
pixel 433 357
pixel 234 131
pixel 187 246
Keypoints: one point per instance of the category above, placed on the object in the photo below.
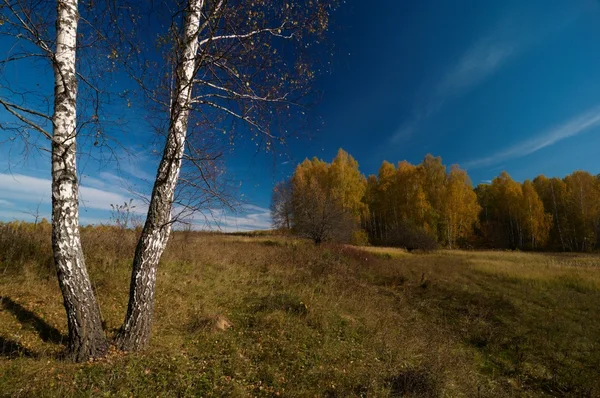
pixel 274 316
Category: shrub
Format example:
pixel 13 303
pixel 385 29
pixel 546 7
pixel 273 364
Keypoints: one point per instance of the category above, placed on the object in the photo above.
pixel 360 238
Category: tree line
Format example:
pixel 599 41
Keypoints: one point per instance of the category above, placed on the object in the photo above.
pixel 429 205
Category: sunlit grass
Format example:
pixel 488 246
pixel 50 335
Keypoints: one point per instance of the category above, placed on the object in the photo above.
pixel 389 252
pixel 276 316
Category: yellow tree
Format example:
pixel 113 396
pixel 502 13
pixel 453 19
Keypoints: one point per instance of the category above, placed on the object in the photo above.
pixel 536 222
pixel 583 196
pixel 347 183
pixel 371 201
pixel 552 192
pixel 412 199
pixel 310 200
pixel 432 173
pixel 505 211
pixel 387 190
pixel 460 208
pixel 327 199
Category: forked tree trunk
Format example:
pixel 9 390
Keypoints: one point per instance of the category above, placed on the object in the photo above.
pixel 135 332
pixel 86 336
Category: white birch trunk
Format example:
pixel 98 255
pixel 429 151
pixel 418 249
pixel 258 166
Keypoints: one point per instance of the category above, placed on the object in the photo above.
pixel 86 336
pixel 135 332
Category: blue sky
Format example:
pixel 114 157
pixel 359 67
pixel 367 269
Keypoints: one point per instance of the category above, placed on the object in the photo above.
pixel 492 86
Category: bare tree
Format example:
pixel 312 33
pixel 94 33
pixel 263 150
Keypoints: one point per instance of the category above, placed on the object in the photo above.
pixel 319 216
pixel 29 22
pixel 281 205
pixel 231 67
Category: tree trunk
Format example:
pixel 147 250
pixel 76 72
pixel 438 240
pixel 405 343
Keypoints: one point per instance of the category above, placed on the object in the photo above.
pixel 86 336
pixel 562 242
pixel 135 332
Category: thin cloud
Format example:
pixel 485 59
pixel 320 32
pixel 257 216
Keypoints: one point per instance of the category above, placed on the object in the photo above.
pixel 575 126
pixel 477 64
pixel 249 218
pixel 512 36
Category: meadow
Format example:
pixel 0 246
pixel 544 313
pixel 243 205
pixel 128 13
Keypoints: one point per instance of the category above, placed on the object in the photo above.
pixel 278 316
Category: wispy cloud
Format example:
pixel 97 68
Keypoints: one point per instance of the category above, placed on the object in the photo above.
pixel 475 65
pixel 248 218
pixel 478 63
pixel 577 125
pixel 511 36
pixel 137 164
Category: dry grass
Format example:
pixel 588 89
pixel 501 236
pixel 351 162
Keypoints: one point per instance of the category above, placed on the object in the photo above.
pixel 386 252
pixel 312 321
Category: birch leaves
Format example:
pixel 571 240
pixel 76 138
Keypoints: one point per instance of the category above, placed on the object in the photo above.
pixel 423 199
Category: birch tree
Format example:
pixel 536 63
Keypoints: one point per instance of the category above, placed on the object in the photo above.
pixel 29 23
pixel 537 223
pixel 86 336
pixel 282 209
pixel 583 195
pixel 460 207
pixel 320 212
pixel 242 64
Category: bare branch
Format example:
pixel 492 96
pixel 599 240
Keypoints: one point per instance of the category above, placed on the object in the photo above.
pixel 273 31
pixel 11 109
pixel 236 95
pixel 246 119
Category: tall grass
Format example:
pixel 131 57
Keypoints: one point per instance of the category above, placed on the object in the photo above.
pixel 276 316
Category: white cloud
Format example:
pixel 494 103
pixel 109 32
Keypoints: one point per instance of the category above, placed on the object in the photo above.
pixel 249 218
pixel 21 188
pixel 18 187
pixel 571 128
pixel 28 191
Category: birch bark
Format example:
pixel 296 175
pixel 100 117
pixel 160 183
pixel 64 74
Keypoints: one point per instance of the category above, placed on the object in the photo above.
pixel 86 336
pixel 135 332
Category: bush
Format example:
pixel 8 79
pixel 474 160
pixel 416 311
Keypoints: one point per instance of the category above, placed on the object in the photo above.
pixel 360 238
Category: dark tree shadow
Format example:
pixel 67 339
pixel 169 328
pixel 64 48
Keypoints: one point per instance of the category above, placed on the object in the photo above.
pixel 11 349
pixel 46 332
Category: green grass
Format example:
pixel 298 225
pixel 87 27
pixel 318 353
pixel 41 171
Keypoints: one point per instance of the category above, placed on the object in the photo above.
pixel 273 316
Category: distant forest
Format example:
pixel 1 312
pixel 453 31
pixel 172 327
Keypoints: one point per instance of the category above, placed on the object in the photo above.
pixel 428 205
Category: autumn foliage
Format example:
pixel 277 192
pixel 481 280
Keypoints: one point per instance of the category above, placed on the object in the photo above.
pixel 327 199
pixel 426 205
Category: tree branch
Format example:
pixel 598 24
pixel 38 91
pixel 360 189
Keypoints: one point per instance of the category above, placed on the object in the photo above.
pixel 11 109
